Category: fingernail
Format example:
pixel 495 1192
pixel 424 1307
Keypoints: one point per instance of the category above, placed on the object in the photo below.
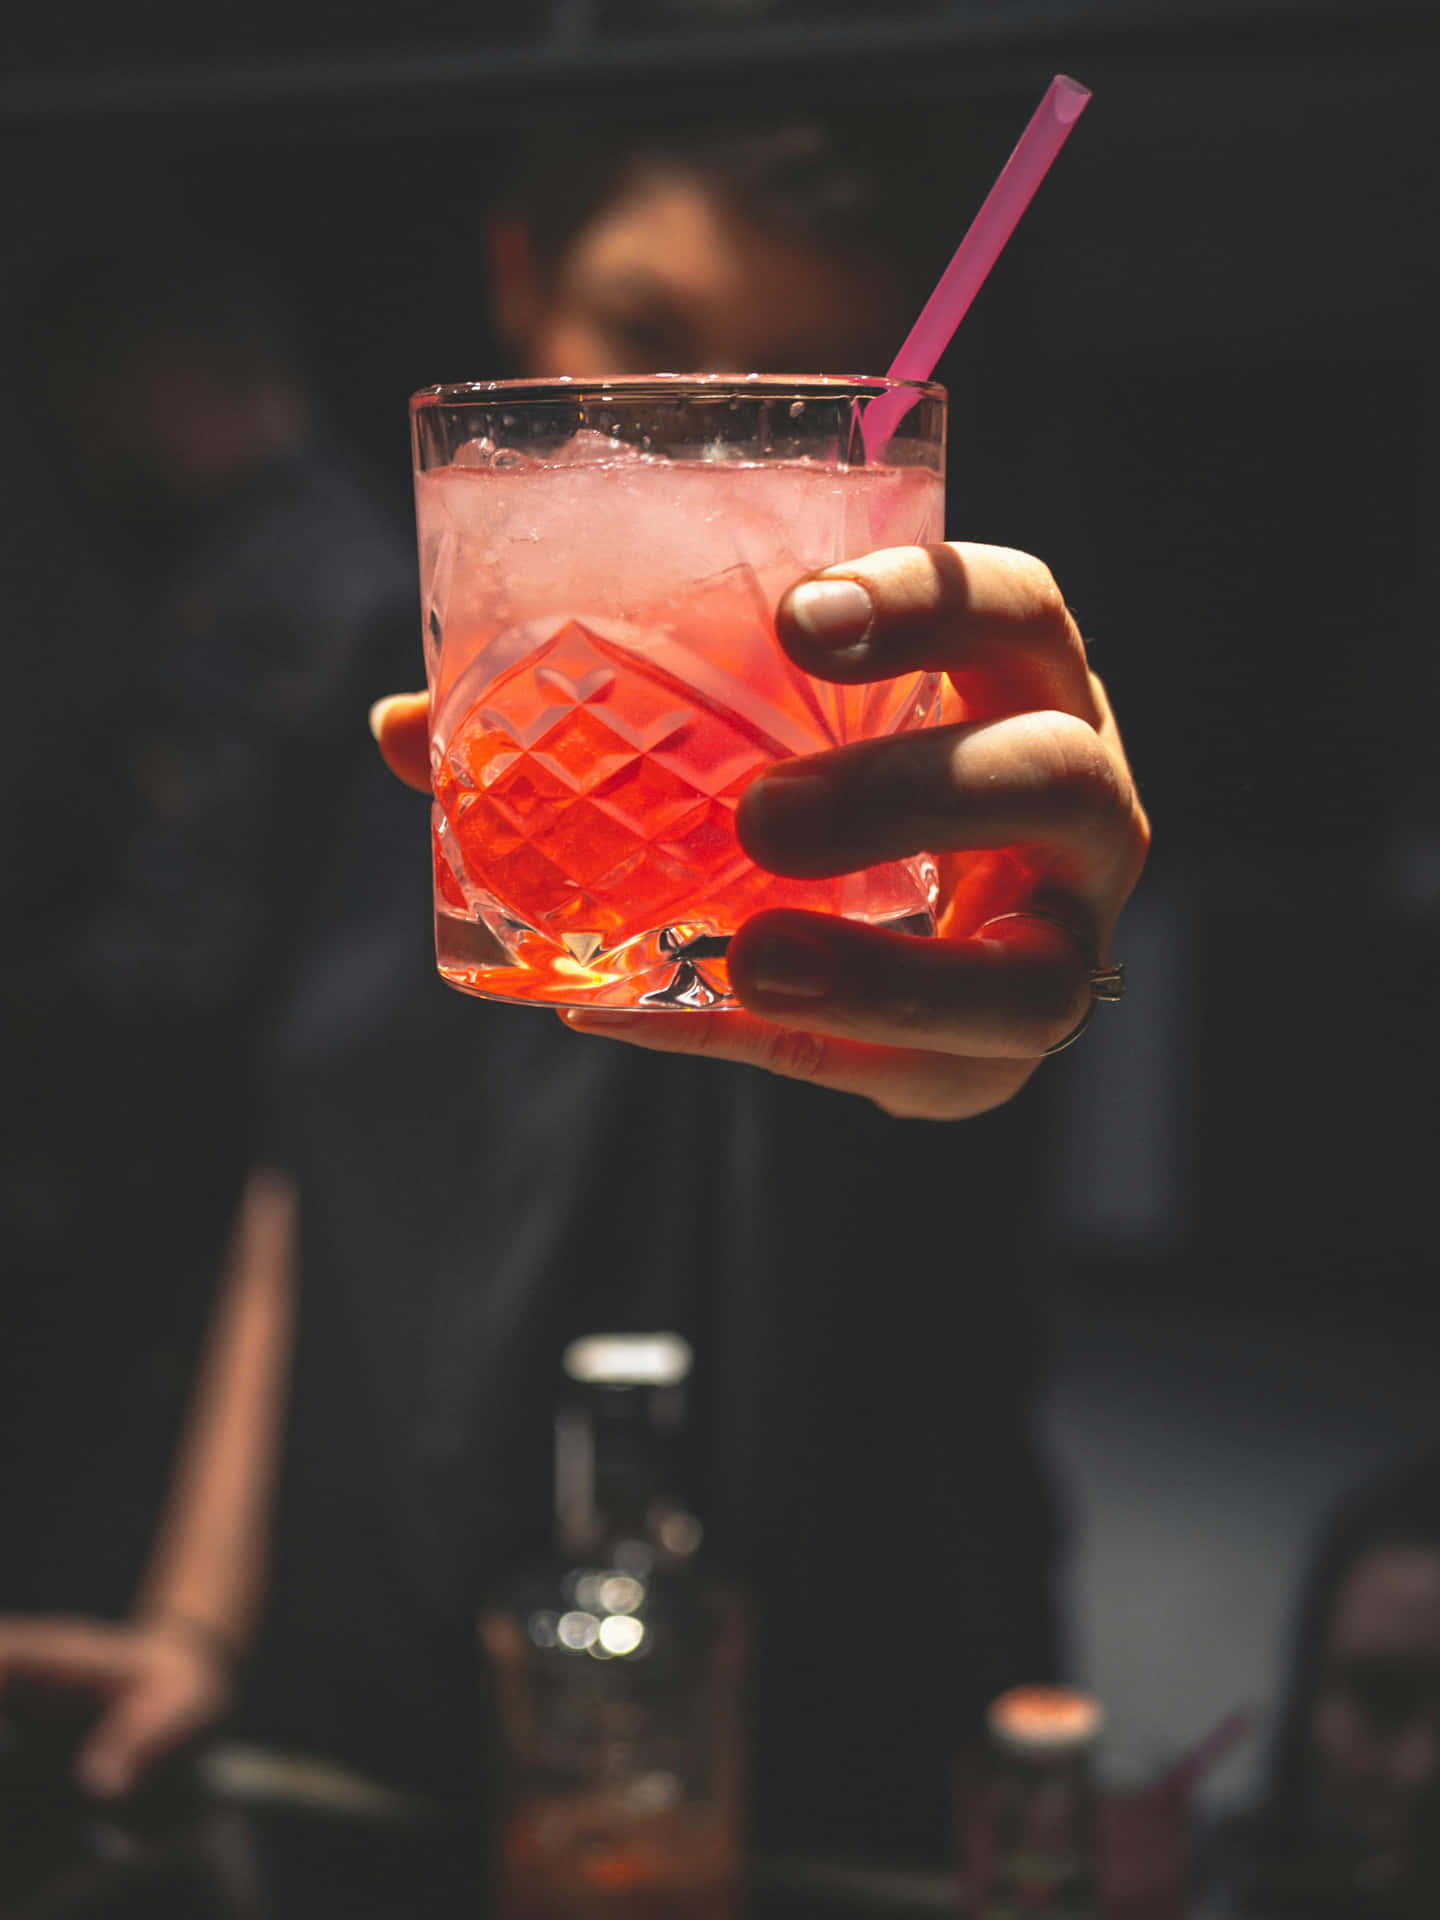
pixel 792 806
pixel 377 713
pixel 836 613
pixel 792 967
pixel 583 1017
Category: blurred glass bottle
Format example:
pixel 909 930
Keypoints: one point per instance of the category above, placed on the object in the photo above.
pixel 619 1668
pixel 1032 1844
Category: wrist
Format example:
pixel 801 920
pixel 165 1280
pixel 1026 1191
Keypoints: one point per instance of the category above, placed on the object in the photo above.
pixel 220 1647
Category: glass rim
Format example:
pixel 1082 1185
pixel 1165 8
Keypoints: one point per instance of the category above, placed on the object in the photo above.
pixel 627 386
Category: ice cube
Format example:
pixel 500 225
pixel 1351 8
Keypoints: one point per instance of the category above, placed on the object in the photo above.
pixel 485 453
pixel 587 448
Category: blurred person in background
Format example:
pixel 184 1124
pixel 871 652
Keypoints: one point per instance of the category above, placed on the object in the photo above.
pixel 200 597
pixel 478 1185
pixel 1350 1821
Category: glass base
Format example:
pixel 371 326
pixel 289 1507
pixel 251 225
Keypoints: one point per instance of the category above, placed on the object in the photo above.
pixel 674 969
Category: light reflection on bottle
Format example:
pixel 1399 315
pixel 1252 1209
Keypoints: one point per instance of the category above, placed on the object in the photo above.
pixel 619 1670
pixel 621 1634
pixel 603 1622
pixel 542 1628
pixel 578 1631
pixel 621 1593
pixel 680 1533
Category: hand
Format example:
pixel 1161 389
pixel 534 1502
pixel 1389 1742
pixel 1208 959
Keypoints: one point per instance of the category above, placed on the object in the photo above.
pixel 1024 795
pixel 156 1683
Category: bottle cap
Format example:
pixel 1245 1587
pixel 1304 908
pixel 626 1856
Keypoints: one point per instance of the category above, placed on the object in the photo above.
pixel 628 1359
pixel 1040 1723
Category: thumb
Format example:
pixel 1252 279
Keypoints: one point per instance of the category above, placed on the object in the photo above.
pixel 400 723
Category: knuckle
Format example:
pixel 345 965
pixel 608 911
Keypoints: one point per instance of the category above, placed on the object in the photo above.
pixel 918 1007
pixel 1133 849
pixel 1140 831
pixel 1078 769
pixel 709 1035
pixel 1039 593
pixel 1053 1004
pixel 793 1052
pixel 906 585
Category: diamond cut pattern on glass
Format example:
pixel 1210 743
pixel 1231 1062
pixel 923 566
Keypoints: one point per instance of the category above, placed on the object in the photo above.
pixel 580 796
pixel 646 796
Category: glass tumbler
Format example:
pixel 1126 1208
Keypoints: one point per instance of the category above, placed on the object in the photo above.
pixel 600 565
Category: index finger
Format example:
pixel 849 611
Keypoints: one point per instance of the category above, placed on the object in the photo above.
pixel 57 1649
pixel 991 618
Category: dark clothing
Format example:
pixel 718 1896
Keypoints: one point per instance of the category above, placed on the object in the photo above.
pixel 195 691
pixel 480 1185
pixel 1255 1868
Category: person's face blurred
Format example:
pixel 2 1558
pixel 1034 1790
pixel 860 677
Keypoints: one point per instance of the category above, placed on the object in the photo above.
pixel 1375 1723
pixel 173 424
pixel 667 279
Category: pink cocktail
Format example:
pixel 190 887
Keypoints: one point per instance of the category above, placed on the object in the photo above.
pixel 599 573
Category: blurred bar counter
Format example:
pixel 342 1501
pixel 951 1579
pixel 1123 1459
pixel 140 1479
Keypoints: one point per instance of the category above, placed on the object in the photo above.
pixel 245 1833
pixel 248 1833
pixel 518 53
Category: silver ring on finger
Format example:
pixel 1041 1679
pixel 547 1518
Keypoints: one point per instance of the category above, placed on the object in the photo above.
pixel 1106 983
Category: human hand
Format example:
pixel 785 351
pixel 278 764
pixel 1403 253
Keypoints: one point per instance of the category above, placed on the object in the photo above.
pixel 155 1682
pixel 1023 794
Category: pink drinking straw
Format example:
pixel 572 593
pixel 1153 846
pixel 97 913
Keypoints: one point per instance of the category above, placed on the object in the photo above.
pixel 1065 100
pixel 1187 1773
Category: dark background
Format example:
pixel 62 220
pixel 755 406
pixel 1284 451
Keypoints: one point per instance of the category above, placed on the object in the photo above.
pixel 1198 385
pixel 1201 384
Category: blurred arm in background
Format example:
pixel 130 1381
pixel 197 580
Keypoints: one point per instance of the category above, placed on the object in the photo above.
pixel 168 1671
pixel 242 592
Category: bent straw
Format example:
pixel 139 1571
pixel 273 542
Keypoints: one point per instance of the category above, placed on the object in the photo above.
pixel 1050 124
